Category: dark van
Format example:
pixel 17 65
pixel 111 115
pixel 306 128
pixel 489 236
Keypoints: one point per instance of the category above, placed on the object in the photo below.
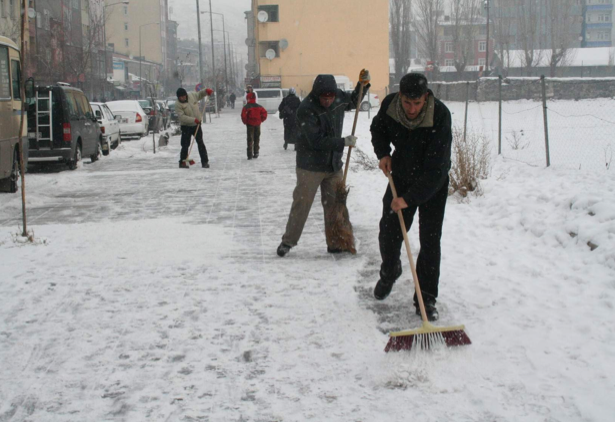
pixel 64 132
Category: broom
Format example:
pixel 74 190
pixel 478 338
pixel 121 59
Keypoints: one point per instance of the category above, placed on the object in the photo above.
pixel 340 228
pixel 188 159
pixel 428 335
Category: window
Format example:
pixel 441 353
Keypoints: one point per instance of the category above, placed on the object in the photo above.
pixel 5 80
pixel 125 26
pixel 16 76
pixel 272 12
pixel 12 8
pixel 268 93
pixel 73 109
pixel 84 106
pixel 449 62
pixel 604 18
pixel 269 45
pixel 448 47
pixel 127 42
pixel 482 46
pixel 125 10
pixel 481 62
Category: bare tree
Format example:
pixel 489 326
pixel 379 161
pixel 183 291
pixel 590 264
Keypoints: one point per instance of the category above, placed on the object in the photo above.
pixel 428 16
pixel 465 21
pixel 528 20
pixel 503 33
pixel 10 29
pixel 401 30
pixel 560 14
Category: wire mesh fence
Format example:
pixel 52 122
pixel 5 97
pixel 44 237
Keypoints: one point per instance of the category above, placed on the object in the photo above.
pixel 540 121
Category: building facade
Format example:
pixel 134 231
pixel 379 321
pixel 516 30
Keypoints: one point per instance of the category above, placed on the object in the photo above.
pixel 292 41
pixel 137 33
pixel 598 23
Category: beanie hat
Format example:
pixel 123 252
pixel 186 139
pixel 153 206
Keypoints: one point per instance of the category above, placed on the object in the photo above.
pixel 413 85
pixel 181 92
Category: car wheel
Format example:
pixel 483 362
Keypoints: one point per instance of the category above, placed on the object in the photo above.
pixel 94 157
pixel 107 151
pixel 365 106
pixel 119 140
pixel 76 161
pixel 14 177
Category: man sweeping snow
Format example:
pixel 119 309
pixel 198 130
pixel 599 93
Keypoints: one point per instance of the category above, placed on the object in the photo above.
pixel 189 117
pixel 320 147
pixel 419 127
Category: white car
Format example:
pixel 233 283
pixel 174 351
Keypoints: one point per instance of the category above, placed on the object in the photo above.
pixel 369 101
pixel 134 120
pixel 109 126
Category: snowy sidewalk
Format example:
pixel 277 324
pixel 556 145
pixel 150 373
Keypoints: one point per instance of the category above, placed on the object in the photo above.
pixel 158 296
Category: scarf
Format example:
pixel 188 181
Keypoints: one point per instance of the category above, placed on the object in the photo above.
pixel 424 119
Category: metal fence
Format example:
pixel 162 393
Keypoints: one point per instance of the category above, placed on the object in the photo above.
pixel 540 121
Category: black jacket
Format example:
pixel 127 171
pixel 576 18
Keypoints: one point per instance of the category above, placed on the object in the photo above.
pixel 288 112
pixel 320 145
pixel 422 157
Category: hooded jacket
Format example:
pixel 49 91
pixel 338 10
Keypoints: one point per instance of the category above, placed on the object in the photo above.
pixel 253 114
pixel 320 145
pixel 422 156
pixel 188 111
pixel 288 111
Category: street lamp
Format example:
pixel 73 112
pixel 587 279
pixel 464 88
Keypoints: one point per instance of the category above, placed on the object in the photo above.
pixel 213 60
pixel 141 56
pixel 105 36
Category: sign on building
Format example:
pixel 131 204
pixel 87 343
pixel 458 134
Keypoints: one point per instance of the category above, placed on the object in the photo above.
pixel 271 82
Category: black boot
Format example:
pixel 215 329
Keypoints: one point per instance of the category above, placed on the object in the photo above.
pixel 205 165
pixel 283 249
pixel 183 165
pixel 430 308
pixel 385 284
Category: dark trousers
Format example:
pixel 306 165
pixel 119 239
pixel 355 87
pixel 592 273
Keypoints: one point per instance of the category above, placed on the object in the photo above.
pixel 431 218
pixel 254 139
pixel 187 133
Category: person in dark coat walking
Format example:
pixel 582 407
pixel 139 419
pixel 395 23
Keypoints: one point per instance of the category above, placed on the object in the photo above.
pixel 252 116
pixel 232 99
pixel 288 111
pixel 418 125
pixel 320 147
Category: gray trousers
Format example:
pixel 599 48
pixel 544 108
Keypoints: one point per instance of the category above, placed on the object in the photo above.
pixel 308 183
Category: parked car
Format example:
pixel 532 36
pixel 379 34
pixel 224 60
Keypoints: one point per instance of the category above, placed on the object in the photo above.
pixel 62 127
pixel 369 101
pixel 173 114
pixel 270 98
pixel 133 120
pixel 165 114
pixel 109 126
pixel 11 132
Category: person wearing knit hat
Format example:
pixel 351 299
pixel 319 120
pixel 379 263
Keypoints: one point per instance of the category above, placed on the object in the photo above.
pixel 252 116
pixel 189 116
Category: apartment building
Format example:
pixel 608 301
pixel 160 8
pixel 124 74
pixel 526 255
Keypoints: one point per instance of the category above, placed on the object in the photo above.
pixel 598 23
pixel 292 41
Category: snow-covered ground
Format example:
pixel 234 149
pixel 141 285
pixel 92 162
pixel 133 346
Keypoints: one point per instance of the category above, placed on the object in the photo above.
pixel 154 293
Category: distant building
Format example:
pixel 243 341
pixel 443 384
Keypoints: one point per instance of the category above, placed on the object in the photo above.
pixel 289 45
pixel 598 23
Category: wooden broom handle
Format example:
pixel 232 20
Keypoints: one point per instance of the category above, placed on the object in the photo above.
pixel 354 128
pixel 415 276
pixel 196 131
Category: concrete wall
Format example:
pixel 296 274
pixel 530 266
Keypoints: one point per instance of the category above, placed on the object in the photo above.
pixel 338 37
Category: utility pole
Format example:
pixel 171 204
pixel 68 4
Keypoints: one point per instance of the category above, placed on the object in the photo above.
pixel 213 60
pixel 198 25
pixel 487 49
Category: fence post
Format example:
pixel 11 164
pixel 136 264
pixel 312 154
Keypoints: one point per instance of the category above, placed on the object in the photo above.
pixel 544 112
pixel 500 116
pixel 465 123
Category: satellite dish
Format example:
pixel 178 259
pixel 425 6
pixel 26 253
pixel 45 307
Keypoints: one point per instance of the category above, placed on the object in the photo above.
pixel 283 44
pixel 263 16
pixel 270 54
pixel 31 13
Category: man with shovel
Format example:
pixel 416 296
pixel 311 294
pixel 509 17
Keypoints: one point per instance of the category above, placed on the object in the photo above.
pixel 419 127
pixel 320 147
pixel 187 108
